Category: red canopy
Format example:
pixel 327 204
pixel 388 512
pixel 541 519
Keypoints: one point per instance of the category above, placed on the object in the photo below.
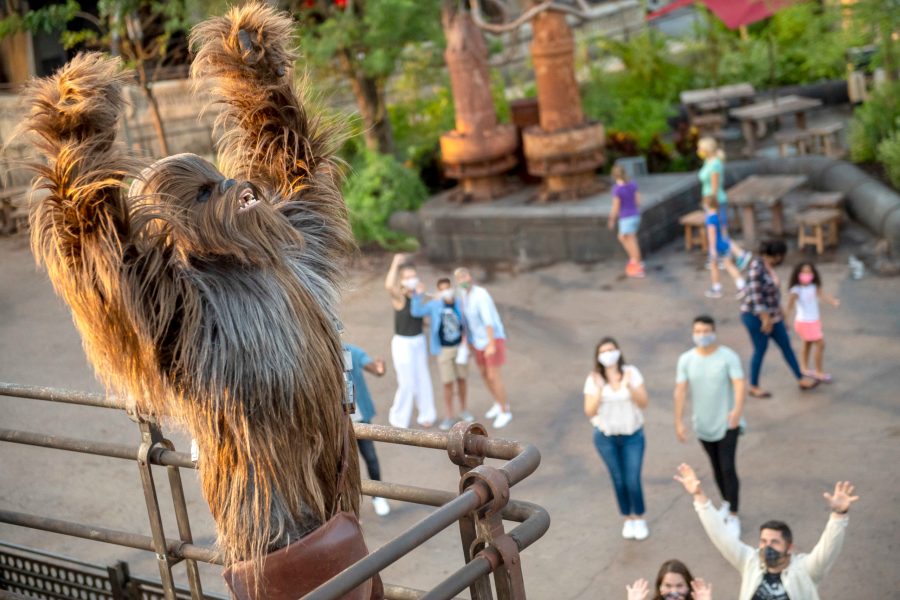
pixel 734 13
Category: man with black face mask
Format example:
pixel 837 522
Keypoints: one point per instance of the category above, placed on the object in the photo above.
pixel 772 571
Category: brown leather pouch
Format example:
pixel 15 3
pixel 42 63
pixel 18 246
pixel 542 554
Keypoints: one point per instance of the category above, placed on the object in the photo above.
pixel 298 569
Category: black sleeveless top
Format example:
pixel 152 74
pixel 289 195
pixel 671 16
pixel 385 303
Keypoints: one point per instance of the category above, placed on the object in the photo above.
pixel 404 323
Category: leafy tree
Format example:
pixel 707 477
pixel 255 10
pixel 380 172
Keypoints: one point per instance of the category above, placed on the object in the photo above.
pixel 363 41
pixel 148 34
pixel 881 17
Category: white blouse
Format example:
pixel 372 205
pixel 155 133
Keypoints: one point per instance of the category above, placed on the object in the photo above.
pixel 618 414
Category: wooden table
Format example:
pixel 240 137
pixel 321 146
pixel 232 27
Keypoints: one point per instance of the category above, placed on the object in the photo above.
pixel 764 191
pixel 757 114
pixel 717 98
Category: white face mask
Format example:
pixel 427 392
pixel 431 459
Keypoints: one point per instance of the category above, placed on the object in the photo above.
pixel 410 283
pixel 447 294
pixel 609 358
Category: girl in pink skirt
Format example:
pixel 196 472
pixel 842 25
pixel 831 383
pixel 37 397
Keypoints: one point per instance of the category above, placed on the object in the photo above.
pixel 805 292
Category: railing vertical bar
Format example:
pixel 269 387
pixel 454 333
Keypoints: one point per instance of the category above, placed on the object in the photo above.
pixel 184 525
pixel 150 436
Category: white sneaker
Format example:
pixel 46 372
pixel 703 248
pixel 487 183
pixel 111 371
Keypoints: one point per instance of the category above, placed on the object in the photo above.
pixel 733 526
pixel 639 529
pixel 724 510
pixel 496 409
pixel 628 530
pixel 381 506
pixel 502 420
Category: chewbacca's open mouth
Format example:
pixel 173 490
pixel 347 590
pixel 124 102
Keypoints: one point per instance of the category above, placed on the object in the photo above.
pixel 247 200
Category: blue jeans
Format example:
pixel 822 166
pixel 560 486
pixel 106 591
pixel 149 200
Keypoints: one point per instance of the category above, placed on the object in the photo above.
pixel 760 341
pixel 623 455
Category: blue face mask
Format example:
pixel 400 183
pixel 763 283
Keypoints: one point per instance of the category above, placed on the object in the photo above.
pixel 704 340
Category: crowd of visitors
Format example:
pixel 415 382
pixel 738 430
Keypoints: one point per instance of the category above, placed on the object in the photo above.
pixel 463 322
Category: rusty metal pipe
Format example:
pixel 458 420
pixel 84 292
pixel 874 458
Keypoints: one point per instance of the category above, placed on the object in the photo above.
pixel 36 392
pixel 395 549
pixel 515 510
pixel 158 455
pixel 460 580
pixel 488 447
pixel 175 548
pixel 482 564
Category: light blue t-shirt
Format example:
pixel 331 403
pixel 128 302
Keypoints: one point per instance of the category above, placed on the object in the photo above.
pixel 713 165
pixel 712 393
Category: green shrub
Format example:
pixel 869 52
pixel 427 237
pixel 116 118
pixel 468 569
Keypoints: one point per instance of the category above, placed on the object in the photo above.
pixel 889 156
pixel 378 187
pixel 874 122
pixel 803 43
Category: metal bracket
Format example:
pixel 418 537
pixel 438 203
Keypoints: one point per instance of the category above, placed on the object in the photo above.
pixel 456 445
pixel 491 483
pixel 492 542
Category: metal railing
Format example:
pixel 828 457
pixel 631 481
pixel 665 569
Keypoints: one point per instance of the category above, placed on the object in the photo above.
pixel 480 507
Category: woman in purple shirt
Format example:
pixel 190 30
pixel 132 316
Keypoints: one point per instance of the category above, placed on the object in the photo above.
pixel 626 201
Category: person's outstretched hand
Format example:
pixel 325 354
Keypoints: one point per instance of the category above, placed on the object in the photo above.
pixel 639 590
pixel 379 367
pixel 701 589
pixel 688 478
pixel 842 497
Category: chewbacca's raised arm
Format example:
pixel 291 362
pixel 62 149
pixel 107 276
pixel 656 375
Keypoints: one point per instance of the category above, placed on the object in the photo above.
pixel 72 121
pixel 268 135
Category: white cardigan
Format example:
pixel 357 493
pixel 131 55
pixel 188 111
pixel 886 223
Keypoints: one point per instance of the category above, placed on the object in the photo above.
pixel 802 575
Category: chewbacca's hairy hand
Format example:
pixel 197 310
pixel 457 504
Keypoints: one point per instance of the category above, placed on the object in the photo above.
pixel 79 103
pixel 252 41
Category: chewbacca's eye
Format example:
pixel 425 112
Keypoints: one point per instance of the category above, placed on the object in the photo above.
pixel 204 193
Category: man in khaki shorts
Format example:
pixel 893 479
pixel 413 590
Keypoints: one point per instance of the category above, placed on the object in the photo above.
pixel 447 342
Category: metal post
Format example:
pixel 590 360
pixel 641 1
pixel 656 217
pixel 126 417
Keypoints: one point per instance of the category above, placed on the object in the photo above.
pixel 184 524
pixel 120 582
pixel 150 436
pixel 456 450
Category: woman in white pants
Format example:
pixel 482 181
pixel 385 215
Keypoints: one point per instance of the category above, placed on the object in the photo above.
pixel 409 350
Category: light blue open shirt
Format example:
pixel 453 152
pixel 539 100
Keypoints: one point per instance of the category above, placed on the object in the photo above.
pixel 479 313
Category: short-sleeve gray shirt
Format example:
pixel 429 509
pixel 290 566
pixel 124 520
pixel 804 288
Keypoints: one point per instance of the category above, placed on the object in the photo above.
pixel 712 393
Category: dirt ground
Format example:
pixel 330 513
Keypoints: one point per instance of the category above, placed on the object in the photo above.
pixel 797 444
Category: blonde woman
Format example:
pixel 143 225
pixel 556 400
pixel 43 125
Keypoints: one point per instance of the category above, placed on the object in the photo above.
pixel 712 175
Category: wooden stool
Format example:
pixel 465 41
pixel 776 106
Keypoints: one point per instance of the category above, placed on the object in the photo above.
pixel 829 200
pixel 825 137
pixel 800 139
pixel 694 223
pixel 818 219
pixel 709 124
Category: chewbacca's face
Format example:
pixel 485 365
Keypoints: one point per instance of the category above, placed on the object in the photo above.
pixel 205 215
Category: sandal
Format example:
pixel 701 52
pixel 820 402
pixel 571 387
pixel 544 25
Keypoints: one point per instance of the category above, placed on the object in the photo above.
pixel 760 394
pixel 822 377
pixel 813 385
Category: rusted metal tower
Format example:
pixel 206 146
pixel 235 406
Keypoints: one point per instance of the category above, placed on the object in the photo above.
pixel 564 149
pixel 479 150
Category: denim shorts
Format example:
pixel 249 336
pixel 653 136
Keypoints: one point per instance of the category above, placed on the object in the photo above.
pixel 629 225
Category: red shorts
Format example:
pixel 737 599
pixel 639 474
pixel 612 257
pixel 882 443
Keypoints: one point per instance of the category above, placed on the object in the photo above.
pixel 497 359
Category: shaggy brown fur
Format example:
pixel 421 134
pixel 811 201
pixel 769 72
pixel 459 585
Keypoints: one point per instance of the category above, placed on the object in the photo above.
pixel 218 314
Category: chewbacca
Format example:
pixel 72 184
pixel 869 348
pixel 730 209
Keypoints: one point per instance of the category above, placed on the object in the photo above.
pixel 206 298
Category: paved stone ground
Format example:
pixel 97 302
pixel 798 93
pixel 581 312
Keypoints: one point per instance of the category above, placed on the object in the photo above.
pixel 797 444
